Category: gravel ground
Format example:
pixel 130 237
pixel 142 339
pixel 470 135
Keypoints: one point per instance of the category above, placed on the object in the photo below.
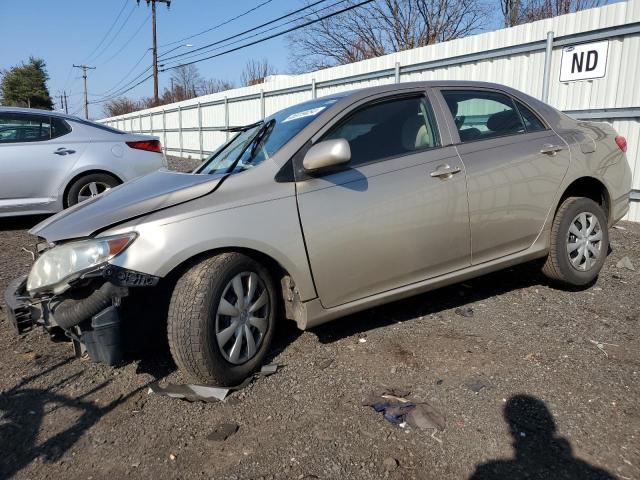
pixel 527 350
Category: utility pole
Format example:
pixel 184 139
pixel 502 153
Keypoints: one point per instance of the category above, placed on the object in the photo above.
pixel 154 48
pixel 66 102
pixel 84 75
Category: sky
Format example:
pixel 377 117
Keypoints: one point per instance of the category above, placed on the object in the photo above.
pixel 65 32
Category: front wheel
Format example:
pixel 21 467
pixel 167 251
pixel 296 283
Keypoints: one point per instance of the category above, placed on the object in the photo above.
pixel 579 242
pixel 221 318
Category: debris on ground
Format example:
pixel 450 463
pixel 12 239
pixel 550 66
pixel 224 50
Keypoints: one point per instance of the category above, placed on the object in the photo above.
pixel 625 262
pixel 223 431
pixel 477 385
pixel 464 311
pixel 390 463
pixel 399 410
pixel 600 346
pixel 204 393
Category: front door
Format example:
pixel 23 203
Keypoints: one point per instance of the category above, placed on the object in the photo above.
pixel 514 166
pixel 398 213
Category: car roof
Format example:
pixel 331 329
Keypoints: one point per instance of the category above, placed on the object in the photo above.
pixel 39 111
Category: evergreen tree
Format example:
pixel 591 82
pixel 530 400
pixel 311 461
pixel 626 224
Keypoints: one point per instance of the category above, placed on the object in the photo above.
pixel 26 85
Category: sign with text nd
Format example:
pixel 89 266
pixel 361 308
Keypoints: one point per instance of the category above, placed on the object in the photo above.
pixel 584 62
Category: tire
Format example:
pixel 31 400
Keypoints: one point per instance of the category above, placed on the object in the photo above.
pixel 82 185
pixel 195 319
pixel 562 264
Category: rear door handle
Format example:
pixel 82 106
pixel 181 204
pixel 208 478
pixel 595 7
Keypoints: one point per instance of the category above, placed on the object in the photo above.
pixel 64 151
pixel 549 149
pixel 444 171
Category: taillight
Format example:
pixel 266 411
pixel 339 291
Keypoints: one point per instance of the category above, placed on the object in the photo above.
pixel 621 142
pixel 148 145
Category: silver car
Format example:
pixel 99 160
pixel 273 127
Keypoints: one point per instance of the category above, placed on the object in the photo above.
pixel 50 161
pixel 324 209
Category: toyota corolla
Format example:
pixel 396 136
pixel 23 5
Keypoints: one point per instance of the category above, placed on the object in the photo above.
pixel 327 208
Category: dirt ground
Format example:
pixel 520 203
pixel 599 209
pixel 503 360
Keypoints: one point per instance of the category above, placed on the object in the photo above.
pixel 537 383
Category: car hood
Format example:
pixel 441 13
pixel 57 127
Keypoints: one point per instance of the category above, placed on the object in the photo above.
pixel 141 196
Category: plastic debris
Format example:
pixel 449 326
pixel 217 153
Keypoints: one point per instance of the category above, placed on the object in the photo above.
pixel 464 311
pixel 625 262
pixel 204 393
pixel 397 409
pixel 222 432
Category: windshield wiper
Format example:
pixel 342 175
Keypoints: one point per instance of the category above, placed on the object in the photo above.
pixel 242 128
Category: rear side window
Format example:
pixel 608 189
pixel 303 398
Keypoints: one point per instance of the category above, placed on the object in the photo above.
pixel 388 129
pixel 531 122
pixel 479 115
pixel 17 127
pixel 59 127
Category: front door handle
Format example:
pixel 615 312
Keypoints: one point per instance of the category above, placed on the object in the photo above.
pixel 549 149
pixel 444 171
pixel 64 151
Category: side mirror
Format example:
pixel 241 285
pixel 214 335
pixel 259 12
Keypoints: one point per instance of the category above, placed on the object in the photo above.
pixel 326 154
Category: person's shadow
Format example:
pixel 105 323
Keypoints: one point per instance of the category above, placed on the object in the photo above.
pixel 539 452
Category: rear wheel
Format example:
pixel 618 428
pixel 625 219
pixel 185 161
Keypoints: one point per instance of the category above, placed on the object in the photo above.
pixel 89 186
pixel 221 318
pixel 579 242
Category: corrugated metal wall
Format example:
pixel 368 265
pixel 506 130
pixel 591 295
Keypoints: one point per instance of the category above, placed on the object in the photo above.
pixel 513 56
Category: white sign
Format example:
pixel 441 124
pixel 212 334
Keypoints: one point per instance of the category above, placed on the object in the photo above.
pixel 584 61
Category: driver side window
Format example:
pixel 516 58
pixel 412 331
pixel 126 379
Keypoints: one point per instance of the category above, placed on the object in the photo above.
pixel 388 129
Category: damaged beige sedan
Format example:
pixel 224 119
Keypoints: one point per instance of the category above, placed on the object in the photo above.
pixel 324 209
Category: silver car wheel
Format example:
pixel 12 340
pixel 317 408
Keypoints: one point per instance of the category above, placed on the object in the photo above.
pixel 584 241
pixel 242 318
pixel 92 189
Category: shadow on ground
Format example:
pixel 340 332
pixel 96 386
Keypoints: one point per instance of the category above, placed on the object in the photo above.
pixel 21 223
pixel 539 453
pixel 454 296
pixel 23 410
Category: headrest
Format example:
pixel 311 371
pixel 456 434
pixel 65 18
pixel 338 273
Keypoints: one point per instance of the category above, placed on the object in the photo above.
pixel 505 121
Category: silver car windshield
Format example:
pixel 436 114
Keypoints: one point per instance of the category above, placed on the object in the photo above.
pixel 258 142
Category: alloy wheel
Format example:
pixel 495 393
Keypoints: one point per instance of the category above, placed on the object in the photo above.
pixel 242 318
pixel 92 189
pixel 584 241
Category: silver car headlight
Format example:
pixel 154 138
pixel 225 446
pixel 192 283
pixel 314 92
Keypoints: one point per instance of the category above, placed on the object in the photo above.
pixel 55 268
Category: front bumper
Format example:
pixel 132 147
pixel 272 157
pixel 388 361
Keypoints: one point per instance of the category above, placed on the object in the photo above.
pixel 91 312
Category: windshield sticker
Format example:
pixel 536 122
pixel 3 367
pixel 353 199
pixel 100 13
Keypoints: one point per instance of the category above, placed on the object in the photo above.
pixel 306 113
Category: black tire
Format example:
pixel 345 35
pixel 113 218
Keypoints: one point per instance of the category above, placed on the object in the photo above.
pixel 71 198
pixel 191 322
pixel 558 266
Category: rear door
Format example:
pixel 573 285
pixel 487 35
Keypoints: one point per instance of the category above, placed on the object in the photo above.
pixel 35 154
pixel 397 214
pixel 514 164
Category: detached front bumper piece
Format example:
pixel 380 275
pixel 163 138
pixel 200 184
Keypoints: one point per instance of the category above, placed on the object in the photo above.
pixel 89 313
pixel 20 312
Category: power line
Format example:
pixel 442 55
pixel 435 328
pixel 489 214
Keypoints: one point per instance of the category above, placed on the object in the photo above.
pixel 106 92
pixel 249 30
pixel 126 20
pixel 126 44
pixel 227 44
pixel 284 32
pixel 124 5
pixel 221 24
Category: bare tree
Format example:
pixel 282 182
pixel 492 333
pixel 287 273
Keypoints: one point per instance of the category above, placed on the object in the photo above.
pixel 186 79
pixel 255 72
pixel 517 12
pixel 382 27
pixel 120 106
pixel 214 85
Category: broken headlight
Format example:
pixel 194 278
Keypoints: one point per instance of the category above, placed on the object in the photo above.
pixel 55 268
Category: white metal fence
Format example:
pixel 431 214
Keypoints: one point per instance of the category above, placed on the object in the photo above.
pixel 526 57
